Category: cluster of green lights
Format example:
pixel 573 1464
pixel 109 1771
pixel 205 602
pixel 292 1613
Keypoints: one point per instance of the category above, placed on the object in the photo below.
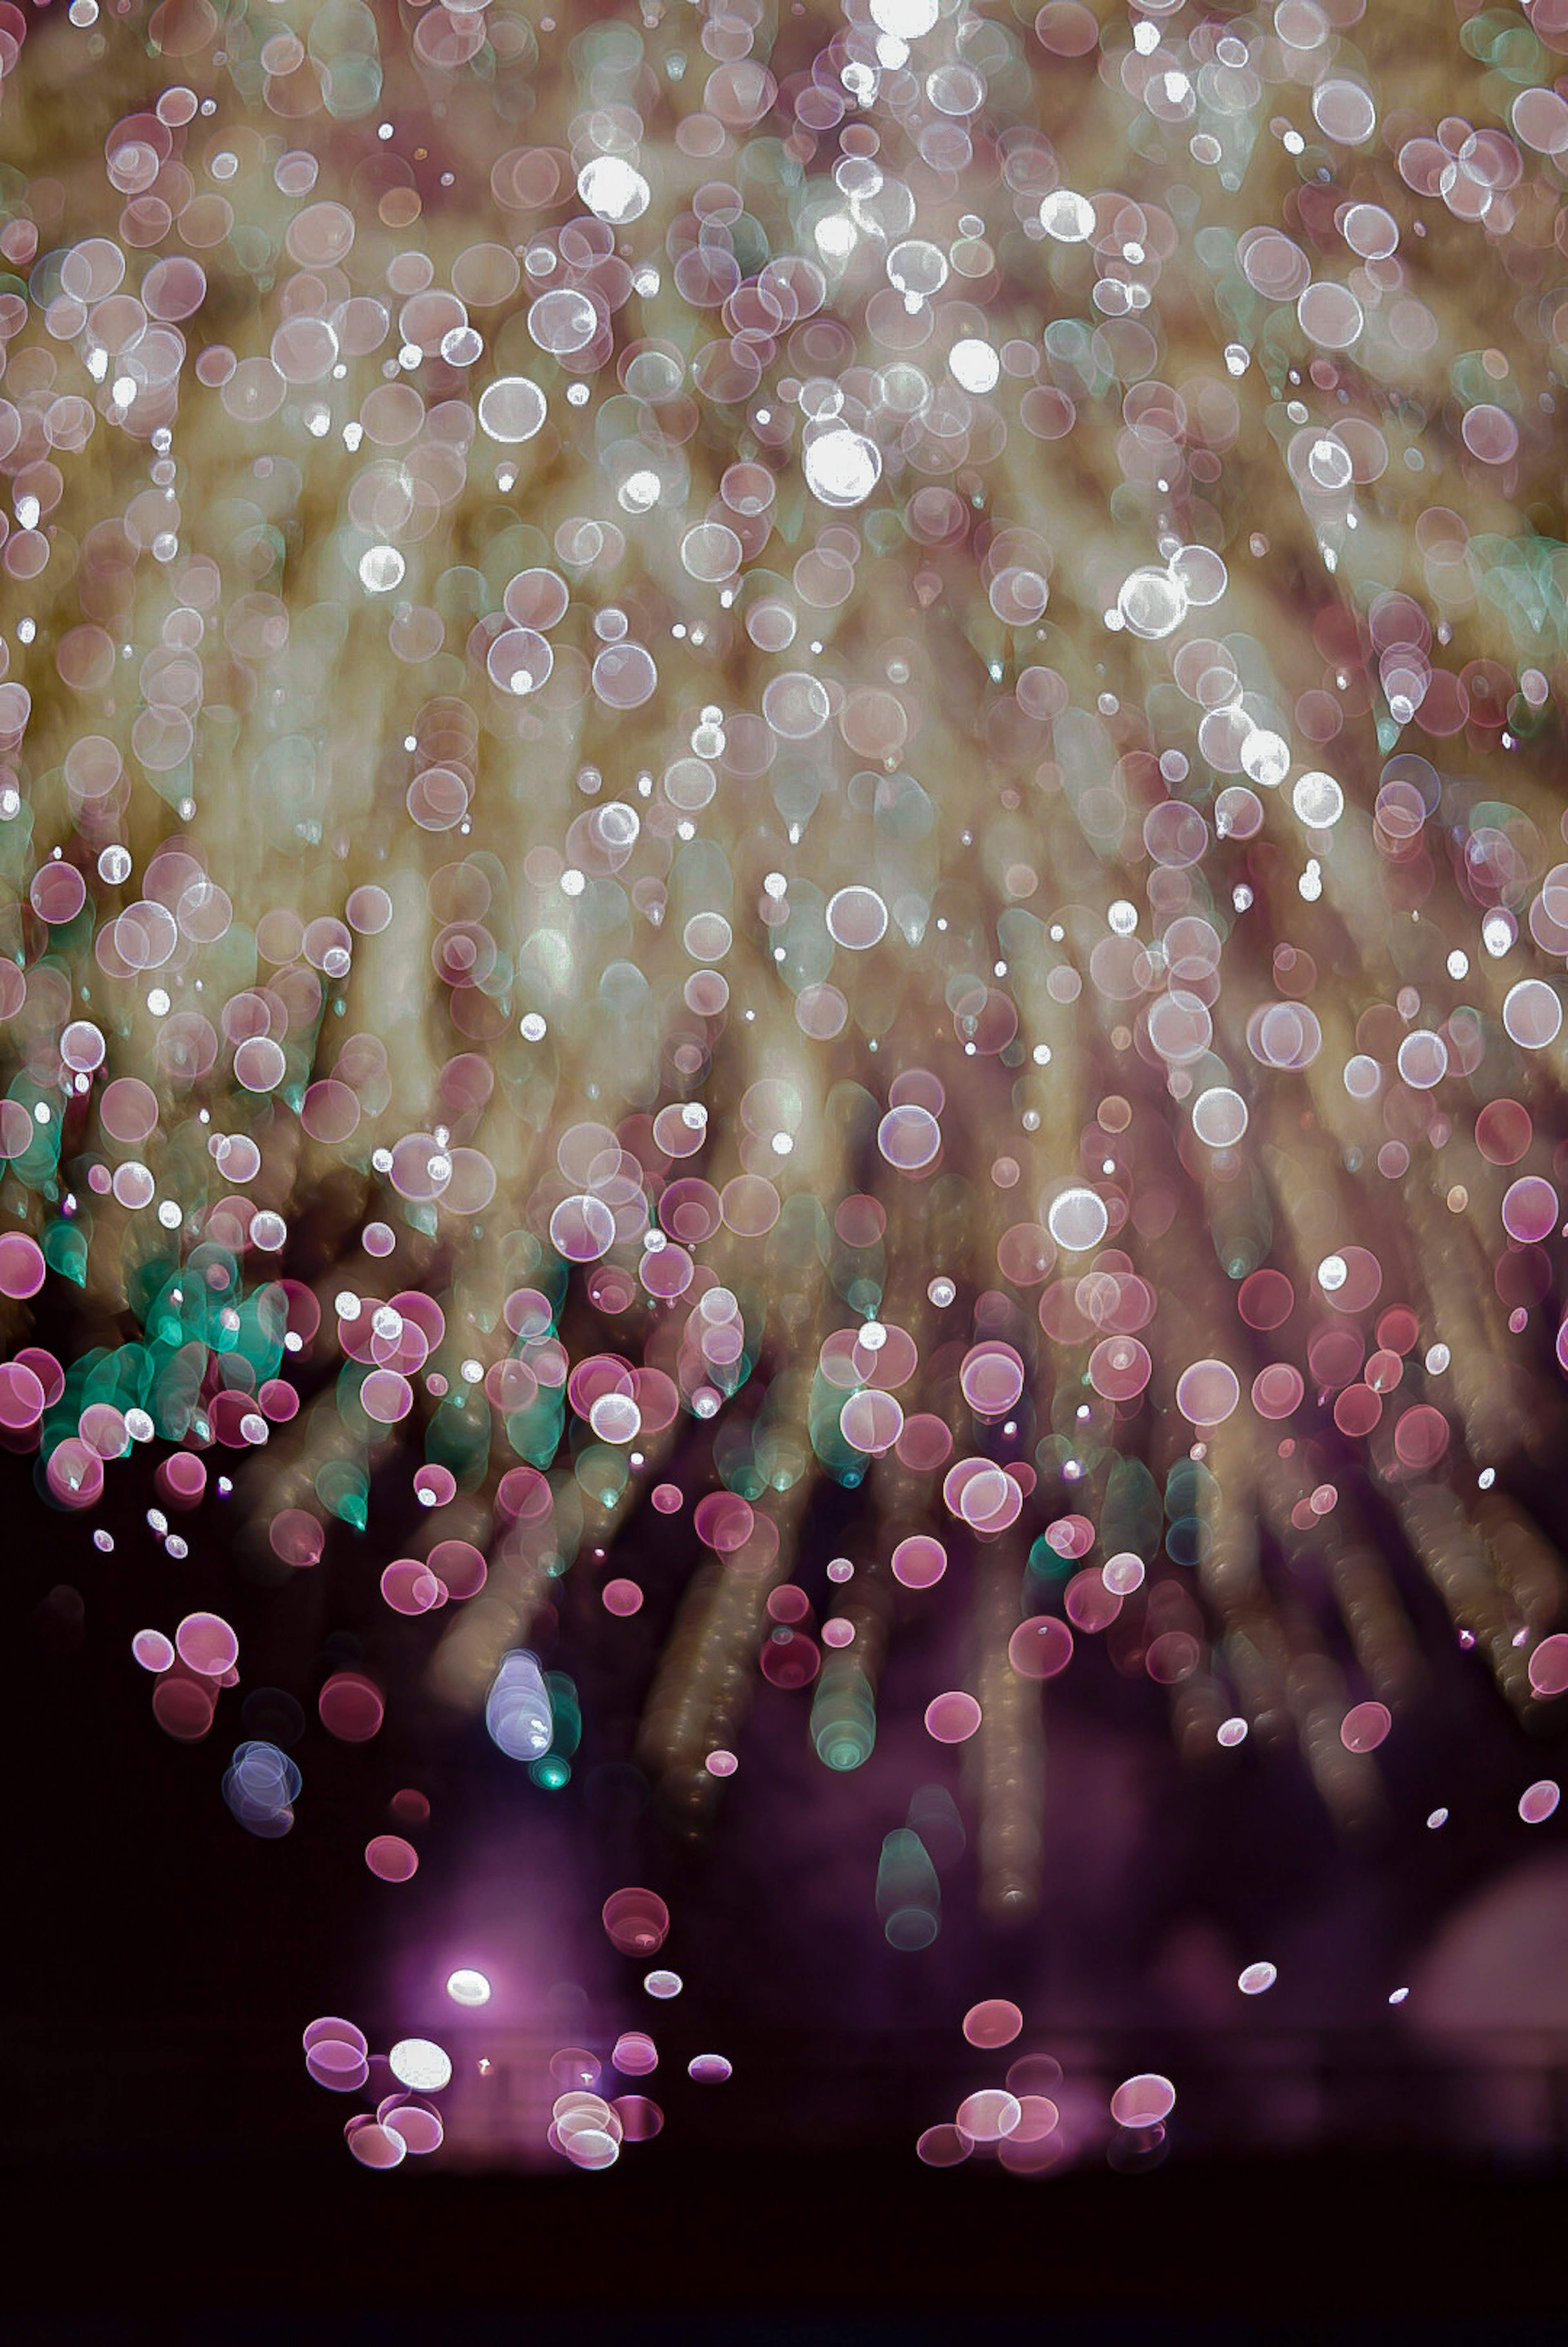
pixel 552 1772
pixel 843 1714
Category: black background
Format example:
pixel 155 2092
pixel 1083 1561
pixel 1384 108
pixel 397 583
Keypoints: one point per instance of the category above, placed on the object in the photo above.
pixel 171 2173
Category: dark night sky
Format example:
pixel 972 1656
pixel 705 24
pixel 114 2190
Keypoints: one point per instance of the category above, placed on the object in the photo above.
pixel 161 1964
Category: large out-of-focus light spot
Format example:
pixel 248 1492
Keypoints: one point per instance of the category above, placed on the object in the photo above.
pixel 381 568
pixel 1067 216
pixel 613 190
pixel 511 409
pixel 1365 1726
pixel 636 1922
pixel 974 365
pixel 909 1137
pixel 1318 800
pixel 1077 1219
pixel 989 2115
pixel 1219 1117
pixel 1144 2100
pixel 995 2022
pixel 421 2064
pixel 1549 1666
pixel 841 467
pixel 1151 603
pixel 517 1711
pixel 391 1857
pixel 1207 1392
pixel 953 1718
pixel 1533 1014
pixel 905 20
